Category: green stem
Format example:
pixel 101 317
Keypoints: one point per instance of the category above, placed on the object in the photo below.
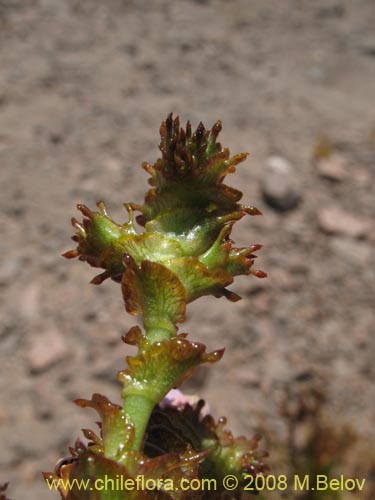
pixel 155 334
pixel 138 408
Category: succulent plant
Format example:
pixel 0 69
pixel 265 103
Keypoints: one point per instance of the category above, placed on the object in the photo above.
pixel 182 251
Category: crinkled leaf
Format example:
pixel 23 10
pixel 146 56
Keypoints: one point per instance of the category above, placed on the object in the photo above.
pixel 163 365
pixel 155 292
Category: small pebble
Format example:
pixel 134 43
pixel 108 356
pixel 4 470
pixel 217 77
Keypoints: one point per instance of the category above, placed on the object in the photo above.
pixel 280 187
pixel 332 168
pixel 334 220
pixel 47 349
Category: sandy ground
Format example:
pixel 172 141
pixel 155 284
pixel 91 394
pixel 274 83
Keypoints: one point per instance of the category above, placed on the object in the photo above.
pixel 84 86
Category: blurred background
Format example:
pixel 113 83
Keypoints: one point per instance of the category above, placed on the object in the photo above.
pixel 84 86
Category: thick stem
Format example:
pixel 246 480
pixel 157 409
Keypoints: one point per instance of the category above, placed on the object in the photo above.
pixel 138 408
pixel 155 334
